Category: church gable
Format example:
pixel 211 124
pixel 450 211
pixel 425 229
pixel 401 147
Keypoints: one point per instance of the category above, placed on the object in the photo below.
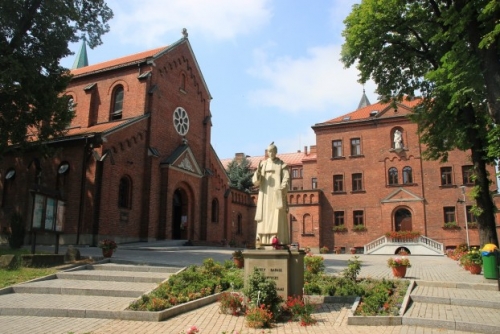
pixel 402 195
pixel 182 159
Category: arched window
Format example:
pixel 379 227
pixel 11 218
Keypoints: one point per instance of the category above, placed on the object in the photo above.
pixel 239 226
pixel 215 210
pixel 407 175
pixel 393 176
pixel 183 82
pixel 117 103
pixel 307 224
pixel 125 193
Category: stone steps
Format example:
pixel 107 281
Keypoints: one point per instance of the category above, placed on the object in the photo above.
pixel 91 291
pixel 473 308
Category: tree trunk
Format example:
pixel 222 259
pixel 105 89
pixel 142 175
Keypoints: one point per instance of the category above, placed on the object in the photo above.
pixel 484 201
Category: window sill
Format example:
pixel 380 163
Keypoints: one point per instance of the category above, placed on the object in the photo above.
pixel 445 186
pixel 338 193
pixel 356 156
pixel 182 91
pixel 308 234
pixel 358 192
pixel 401 185
pixel 337 158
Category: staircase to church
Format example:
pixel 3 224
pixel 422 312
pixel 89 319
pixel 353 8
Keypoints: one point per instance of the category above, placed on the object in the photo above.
pixel 417 246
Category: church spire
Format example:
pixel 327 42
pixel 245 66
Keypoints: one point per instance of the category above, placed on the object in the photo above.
pixel 81 59
pixel 364 101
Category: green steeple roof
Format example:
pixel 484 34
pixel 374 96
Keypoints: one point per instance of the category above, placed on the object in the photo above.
pixel 364 102
pixel 81 59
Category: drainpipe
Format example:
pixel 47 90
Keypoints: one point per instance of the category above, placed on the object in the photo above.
pixel 422 186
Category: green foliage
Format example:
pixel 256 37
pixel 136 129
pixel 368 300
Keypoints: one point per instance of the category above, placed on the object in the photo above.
pixel 193 283
pixel 259 317
pixel 231 303
pixel 314 263
pixel 261 290
pixel 410 47
pixel 240 174
pixel 17 231
pixel 299 310
pixel 382 297
pixel 34 37
pixel 353 268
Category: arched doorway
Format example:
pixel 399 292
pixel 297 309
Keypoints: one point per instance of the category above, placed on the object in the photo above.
pixel 402 220
pixel 179 215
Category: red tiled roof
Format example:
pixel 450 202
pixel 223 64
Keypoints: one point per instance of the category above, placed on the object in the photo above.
pixel 289 158
pixel 364 112
pixel 118 62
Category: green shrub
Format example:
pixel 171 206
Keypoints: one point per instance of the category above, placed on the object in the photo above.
pixel 353 268
pixel 261 290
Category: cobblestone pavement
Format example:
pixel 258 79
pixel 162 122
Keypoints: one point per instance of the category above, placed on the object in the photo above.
pixel 332 318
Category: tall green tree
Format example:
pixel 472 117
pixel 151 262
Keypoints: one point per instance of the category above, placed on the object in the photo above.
pixel 34 36
pixel 447 51
pixel 240 174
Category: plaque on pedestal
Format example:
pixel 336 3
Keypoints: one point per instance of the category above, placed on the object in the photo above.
pixel 283 266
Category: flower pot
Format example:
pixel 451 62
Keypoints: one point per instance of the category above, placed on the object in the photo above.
pixel 399 271
pixel 238 262
pixel 353 250
pixel 475 269
pixel 106 252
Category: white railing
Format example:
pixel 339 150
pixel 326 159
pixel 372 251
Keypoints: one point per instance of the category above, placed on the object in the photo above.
pixel 422 240
pixel 375 244
pixel 432 243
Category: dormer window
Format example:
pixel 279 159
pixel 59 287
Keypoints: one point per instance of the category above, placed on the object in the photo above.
pixel 116 112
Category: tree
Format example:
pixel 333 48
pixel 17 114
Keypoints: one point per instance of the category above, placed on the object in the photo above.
pixel 448 51
pixel 240 174
pixel 34 36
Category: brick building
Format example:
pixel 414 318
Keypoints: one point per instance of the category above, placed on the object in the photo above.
pixel 366 176
pixel 136 163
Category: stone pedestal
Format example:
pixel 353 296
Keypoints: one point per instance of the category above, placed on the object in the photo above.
pixel 283 266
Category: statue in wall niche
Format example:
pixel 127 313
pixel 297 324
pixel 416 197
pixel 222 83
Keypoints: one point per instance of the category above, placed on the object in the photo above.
pixel 272 177
pixel 398 140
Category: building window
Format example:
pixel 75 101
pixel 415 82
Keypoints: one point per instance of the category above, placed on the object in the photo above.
pixel 215 210
pixel 357 182
pixel 337 148
pixel 467 175
pixel 124 193
pixel 449 214
pixel 314 184
pixel 358 217
pixel 338 218
pixel 446 179
pixel 71 104
pixel 471 218
pixel 338 183
pixel 355 146
pixel 407 175
pixel 307 225
pixel 393 176
pixel 116 112
pixel 295 173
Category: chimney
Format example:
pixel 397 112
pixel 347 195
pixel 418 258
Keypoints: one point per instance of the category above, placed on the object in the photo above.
pixel 305 150
pixel 238 157
pixel 313 149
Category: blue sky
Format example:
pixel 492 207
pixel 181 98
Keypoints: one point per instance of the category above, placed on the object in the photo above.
pixel 272 66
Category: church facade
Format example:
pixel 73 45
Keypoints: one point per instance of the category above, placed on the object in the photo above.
pixel 136 163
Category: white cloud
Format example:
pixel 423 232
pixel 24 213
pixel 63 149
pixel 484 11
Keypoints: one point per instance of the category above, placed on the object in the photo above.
pixel 315 82
pixel 146 22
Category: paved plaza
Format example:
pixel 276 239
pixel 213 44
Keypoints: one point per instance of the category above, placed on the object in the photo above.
pixel 332 318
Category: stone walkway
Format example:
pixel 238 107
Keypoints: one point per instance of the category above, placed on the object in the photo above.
pixel 332 318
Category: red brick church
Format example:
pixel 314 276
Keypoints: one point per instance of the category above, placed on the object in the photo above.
pixel 136 164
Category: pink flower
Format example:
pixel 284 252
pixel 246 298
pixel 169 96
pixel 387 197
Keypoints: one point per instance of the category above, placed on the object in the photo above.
pixel 192 330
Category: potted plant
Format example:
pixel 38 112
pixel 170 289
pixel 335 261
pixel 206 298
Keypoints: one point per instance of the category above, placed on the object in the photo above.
pixel 238 258
pixel 108 247
pixel 337 250
pixel 403 235
pixel 339 228
pixel 398 266
pixel 451 226
pixel 314 263
pixel 472 261
pixel 352 250
pixel 359 228
pixel 324 250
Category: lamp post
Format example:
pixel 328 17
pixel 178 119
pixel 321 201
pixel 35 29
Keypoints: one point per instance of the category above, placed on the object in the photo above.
pixel 465 216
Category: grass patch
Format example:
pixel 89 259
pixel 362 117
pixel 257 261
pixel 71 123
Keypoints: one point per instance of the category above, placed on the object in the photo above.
pixel 19 275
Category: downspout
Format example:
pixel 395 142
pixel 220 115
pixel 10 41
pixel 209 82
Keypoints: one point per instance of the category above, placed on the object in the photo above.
pixel 148 166
pixel 83 184
pixel 423 185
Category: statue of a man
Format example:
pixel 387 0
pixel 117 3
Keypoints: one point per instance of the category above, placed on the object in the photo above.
pixel 398 140
pixel 272 177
